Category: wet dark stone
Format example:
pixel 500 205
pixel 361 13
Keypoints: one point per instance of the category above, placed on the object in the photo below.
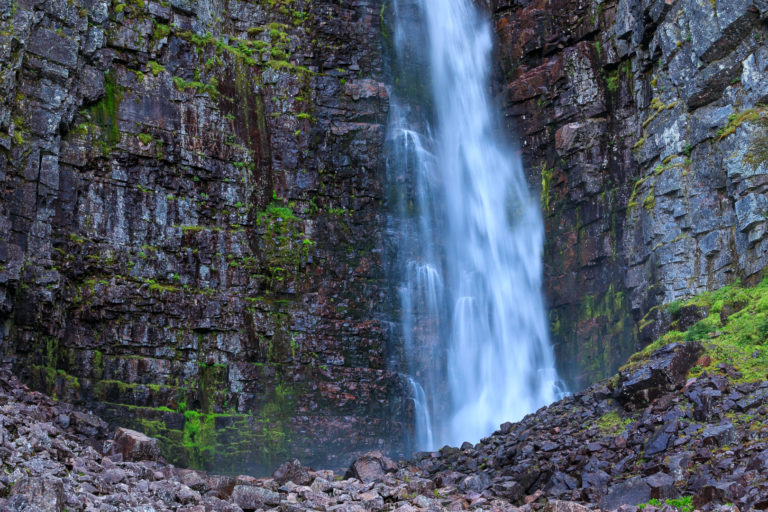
pixel 658 442
pixel 719 435
pixel 371 467
pixel 632 492
pixel 662 486
pixel 665 370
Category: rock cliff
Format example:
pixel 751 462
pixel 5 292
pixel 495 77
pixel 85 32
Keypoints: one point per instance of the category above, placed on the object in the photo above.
pixel 643 126
pixel 193 209
pixel 192 225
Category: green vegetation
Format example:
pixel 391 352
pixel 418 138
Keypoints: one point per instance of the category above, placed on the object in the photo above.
pixel 635 190
pixel 546 183
pixel 684 504
pixel 104 113
pixel 285 246
pixel 758 147
pixel 658 106
pixel 201 88
pixel 155 68
pixel 612 424
pixel 733 332
pixel 737 119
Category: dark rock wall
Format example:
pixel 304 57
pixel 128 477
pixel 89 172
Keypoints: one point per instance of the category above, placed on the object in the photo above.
pixel 642 126
pixel 191 222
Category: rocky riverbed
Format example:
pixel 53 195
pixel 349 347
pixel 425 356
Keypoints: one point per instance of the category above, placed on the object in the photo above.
pixel 651 435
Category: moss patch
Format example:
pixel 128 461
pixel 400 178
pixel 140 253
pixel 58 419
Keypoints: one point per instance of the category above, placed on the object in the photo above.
pixel 104 113
pixel 285 246
pixel 737 119
pixel 735 330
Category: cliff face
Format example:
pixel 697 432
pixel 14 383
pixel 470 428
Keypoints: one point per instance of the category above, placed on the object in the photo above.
pixel 643 126
pixel 192 202
pixel 191 222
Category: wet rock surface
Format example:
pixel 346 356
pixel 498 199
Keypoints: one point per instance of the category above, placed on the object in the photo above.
pixel 190 222
pixel 191 209
pixel 586 452
pixel 642 124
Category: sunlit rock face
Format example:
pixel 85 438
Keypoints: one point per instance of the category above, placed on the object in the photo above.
pixel 641 125
pixel 191 223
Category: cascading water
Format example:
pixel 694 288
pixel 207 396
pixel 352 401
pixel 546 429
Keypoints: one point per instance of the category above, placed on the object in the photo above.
pixel 470 234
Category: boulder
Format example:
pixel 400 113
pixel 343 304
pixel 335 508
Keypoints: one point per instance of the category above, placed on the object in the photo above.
pixel 564 506
pixel 292 471
pixel 664 371
pixel 719 435
pixel 38 494
pixel 662 486
pixel 250 497
pixel 135 446
pixel 630 492
pixel 759 461
pixel 371 467
pixel 88 425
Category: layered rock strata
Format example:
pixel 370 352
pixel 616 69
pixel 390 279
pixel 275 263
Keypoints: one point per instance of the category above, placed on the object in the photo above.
pixel 191 222
pixel 643 126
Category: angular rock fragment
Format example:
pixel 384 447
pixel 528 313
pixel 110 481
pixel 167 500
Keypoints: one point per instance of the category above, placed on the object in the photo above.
pixel 662 486
pixel 719 435
pixel 371 467
pixel 136 446
pixel 665 370
pixel 631 492
pixel 292 471
pixel 38 494
pixel 251 497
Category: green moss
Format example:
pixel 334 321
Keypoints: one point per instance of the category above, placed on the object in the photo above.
pixel 612 423
pixel 161 31
pixel 199 438
pixel 104 113
pixel 155 68
pixel 546 183
pixel 657 106
pixel 607 334
pixel 684 504
pixel 160 287
pixel 737 119
pixel 98 364
pixel 201 88
pixel 758 147
pixel 733 332
pixel 612 81
pixel 285 247
pixel 635 190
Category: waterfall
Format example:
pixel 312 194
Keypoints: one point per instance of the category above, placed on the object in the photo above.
pixel 470 234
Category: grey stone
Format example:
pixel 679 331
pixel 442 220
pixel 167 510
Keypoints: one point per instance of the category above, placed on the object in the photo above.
pixel 54 47
pixel 631 492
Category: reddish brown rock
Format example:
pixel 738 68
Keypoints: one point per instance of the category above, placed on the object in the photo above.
pixel 136 446
pixel 371 467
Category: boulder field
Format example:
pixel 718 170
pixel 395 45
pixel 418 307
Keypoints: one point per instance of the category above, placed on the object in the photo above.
pixel 650 438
